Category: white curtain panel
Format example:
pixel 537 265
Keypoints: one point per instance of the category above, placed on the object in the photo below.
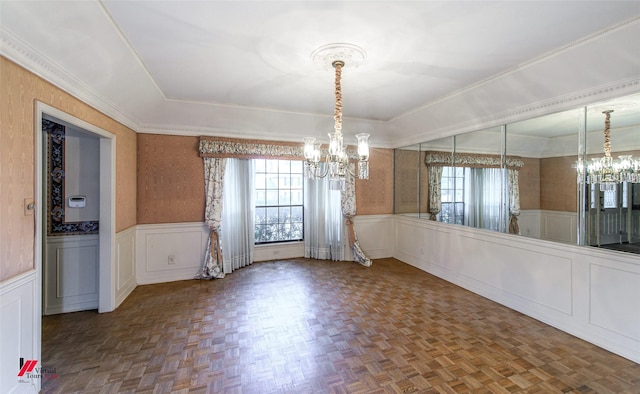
pixel 323 224
pixel 238 215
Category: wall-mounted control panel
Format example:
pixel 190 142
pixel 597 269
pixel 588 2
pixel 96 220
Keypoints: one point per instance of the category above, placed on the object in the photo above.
pixel 77 201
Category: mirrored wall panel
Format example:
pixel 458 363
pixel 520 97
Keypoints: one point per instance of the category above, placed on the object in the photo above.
pixel 611 166
pixel 571 177
pixel 548 147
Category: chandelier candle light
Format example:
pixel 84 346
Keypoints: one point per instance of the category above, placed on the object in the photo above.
pixel 609 172
pixel 337 157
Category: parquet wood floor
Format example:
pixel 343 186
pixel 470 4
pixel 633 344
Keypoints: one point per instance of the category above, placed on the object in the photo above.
pixel 307 326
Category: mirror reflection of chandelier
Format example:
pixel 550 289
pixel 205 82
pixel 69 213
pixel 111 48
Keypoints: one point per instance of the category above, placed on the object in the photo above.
pixel 337 155
pixel 607 171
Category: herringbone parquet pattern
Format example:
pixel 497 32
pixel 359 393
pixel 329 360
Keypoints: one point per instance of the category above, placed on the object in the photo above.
pixel 306 326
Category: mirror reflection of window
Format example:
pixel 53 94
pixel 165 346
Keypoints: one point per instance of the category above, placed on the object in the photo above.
pixel 555 149
pixel 472 197
pixel 485 206
pixel 452 206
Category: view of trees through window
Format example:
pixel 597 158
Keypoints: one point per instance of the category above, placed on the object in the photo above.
pixel 279 201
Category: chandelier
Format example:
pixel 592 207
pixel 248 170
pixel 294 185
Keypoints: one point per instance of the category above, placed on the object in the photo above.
pixel 607 171
pixel 336 155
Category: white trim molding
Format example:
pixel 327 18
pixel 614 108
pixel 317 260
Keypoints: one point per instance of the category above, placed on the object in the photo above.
pixel 125 264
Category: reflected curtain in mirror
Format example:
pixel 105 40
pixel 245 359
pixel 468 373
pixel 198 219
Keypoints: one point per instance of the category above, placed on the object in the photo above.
pixel 435 192
pixel 514 200
pixel 479 190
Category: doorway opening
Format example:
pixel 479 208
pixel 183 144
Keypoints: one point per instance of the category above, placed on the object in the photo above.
pixel 613 215
pixel 106 210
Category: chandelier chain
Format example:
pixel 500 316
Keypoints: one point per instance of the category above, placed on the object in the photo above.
pixel 337 114
pixel 607 133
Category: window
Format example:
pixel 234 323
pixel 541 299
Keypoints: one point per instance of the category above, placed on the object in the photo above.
pixel 452 194
pixel 279 201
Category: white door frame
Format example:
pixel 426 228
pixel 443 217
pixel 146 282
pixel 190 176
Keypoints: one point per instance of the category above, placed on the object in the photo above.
pixel 106 256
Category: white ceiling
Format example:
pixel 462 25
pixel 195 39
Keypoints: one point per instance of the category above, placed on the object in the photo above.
pixel 179 64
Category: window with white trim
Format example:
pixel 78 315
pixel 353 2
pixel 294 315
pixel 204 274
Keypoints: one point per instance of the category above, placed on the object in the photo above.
pixel 279 201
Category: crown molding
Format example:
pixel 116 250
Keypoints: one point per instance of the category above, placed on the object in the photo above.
pixel 556 104
pixel 569 101
pixel 16 50
pixel 188 131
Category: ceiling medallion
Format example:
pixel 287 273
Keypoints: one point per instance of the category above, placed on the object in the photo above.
pixel 613 106
pixel 351 55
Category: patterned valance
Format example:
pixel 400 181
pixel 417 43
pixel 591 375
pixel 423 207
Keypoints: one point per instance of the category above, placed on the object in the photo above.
pixel 250 149
pixel 254 149
pixel 446 159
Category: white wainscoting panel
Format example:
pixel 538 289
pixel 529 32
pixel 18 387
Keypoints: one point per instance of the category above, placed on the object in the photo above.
pixel 615 295
pixel 70 273
pixel 169 252
pixel 588 292
pixel 125 275
pixel 529 221
pixel 374 234
pixel 18 314
pixel 559 226
pixel 533 276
